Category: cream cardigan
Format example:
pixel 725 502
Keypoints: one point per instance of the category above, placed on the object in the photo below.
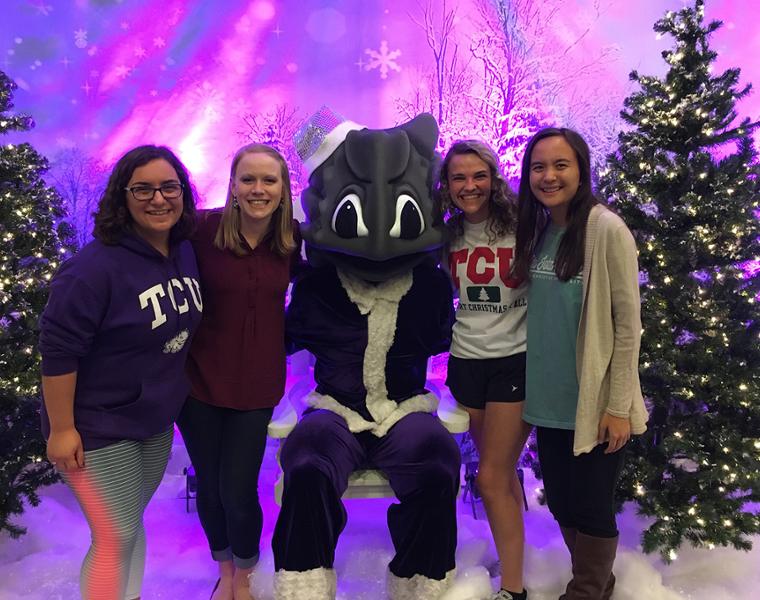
pixel 609 331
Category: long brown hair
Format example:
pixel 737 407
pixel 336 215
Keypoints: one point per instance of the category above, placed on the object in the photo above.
pixel 112 218
pixel 533 217
pixel 281 225
pixel 502 204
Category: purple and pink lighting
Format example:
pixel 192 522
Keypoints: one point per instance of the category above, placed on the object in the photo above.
pixel 101 76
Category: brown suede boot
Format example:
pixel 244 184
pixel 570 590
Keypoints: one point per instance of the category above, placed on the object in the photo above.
pixel 568 534
pixel 592 559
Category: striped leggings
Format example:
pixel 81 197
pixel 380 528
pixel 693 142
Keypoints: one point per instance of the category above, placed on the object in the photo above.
pixel 113 490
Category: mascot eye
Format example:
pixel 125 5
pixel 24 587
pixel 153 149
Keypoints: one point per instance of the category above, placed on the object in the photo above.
pixel 409 224
pixel 347 220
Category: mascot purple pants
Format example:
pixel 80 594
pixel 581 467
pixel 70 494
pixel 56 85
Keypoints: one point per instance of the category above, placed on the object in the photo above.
pixel 421 461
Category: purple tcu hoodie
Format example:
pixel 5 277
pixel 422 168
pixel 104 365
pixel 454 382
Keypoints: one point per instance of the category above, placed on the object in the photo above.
pixel 122 317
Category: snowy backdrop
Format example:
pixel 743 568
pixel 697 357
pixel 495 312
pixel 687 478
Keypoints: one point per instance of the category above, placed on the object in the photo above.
pixel 100 76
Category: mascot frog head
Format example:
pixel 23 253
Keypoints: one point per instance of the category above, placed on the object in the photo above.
pixel 368 202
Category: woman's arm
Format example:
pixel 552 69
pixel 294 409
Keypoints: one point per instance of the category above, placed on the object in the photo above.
pixel 64 446
pixel 76 307
pixel 623 269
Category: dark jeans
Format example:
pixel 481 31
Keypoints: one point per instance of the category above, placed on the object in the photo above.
pixel 226 447
pixel 420 459
pixel 580 490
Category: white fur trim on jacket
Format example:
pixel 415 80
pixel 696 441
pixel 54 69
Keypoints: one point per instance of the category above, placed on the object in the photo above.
pixel 314 584
pixel 380 304
pixel 418 587
pixel 427 403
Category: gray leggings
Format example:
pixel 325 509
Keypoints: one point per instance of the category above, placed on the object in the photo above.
pixel 113 490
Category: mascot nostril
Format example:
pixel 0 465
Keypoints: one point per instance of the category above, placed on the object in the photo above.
pixel 372 307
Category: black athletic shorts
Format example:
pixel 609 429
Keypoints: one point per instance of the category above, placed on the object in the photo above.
pixel 475 381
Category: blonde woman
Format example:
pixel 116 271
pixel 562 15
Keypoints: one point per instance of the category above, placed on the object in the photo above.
pixel 245 251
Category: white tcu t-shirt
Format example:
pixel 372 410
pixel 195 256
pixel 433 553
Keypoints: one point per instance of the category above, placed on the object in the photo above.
pixel 492 312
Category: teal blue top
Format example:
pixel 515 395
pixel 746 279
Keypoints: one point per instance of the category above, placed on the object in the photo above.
pixel 554 311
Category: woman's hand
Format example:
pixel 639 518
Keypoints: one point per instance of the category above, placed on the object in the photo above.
pixel 616 431
pixel 64 450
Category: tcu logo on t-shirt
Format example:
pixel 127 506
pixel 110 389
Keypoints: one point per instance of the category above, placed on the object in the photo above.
pixel 481 266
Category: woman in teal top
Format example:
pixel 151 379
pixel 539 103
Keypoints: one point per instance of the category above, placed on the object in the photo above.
pixel 584 328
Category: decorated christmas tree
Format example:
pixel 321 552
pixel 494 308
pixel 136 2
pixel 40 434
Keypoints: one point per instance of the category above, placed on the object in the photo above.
pixel 34 239
pixel 685 180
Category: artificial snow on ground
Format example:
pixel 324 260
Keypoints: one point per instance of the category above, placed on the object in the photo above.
pixel 44 564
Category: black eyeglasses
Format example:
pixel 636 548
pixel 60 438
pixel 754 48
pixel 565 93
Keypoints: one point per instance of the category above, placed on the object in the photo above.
pixel 145 193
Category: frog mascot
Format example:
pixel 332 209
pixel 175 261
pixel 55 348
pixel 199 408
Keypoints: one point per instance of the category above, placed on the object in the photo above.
pixel 372 308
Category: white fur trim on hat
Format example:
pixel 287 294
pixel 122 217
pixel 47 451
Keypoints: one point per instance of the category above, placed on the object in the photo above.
pixel 320 136
pixel 329 144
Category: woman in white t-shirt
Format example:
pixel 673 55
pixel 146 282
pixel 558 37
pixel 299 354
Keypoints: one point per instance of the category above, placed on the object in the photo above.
pixel 486 370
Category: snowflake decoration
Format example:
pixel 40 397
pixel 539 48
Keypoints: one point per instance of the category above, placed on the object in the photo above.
pixel 43 8
pixel 176 344
pixel 175 16
pixel 121 71
pixel 207 92
pixel 382 60
pixel 209 99
pixel 139 51
pixel 80 38
pixel 159 42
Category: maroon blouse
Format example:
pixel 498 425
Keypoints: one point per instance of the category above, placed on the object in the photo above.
pixel 237 358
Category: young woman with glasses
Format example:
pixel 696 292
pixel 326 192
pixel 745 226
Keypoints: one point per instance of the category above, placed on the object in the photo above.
pixel 114 338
